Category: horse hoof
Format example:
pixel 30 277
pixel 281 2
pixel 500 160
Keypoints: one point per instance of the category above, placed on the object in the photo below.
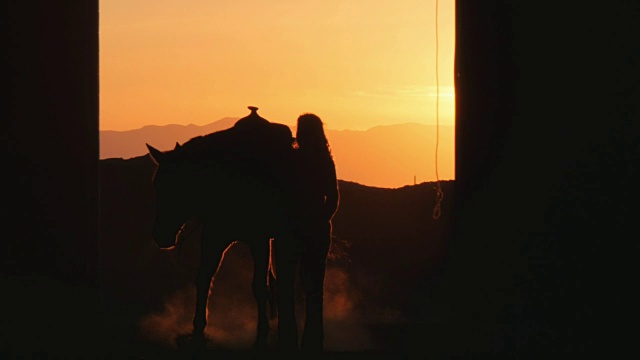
pixel 198 339
pixel 259 348
pixel 260 345
pixel 191 342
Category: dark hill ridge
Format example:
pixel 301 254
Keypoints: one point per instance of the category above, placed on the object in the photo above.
pixel 387 249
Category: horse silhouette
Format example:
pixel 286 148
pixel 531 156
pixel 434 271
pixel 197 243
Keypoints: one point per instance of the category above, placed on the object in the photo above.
pixel 235 182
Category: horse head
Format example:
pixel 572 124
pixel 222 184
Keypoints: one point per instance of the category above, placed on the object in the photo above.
pixel 172 209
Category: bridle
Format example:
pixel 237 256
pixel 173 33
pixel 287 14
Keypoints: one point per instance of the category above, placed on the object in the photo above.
pixel 177 250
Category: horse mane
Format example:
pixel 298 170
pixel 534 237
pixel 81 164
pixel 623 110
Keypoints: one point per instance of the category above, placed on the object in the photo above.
pixel 213 146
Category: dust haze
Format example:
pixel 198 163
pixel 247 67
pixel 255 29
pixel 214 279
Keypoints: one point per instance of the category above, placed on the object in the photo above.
pixel 232 316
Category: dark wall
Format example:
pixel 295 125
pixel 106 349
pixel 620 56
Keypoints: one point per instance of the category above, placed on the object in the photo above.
pixel 49 258
pixel 546 163
pixel 51 139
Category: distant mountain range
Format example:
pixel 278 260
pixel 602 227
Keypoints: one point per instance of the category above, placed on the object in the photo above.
pixel 388 156
pixel 131 143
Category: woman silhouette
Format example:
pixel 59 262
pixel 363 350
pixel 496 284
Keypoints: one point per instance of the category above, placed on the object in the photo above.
pixel 317 198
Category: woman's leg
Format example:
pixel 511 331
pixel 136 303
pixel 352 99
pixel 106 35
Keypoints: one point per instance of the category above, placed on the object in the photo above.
pixel 312 272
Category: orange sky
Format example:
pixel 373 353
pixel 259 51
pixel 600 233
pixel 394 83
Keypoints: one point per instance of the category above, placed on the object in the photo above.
pixel 356 63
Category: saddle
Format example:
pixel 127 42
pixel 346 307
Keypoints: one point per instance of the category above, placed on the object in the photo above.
pixel 264 148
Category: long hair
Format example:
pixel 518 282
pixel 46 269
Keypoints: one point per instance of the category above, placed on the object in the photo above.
pixel 310 134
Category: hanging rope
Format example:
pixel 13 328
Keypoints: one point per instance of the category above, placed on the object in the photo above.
pixel 439 193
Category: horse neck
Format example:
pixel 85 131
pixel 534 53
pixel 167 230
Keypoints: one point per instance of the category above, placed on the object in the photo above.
pixel 199 180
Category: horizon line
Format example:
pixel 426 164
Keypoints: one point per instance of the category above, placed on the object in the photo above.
pixel 293 126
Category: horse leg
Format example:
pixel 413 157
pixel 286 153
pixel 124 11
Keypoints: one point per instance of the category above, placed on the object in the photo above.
pixel 212 253
pixel 260 253
pixel 286 262
pixel 271 283
pixel 312 273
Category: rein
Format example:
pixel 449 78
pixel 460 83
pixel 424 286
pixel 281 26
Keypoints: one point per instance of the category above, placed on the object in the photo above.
pixel 188 235
pixel 181 237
